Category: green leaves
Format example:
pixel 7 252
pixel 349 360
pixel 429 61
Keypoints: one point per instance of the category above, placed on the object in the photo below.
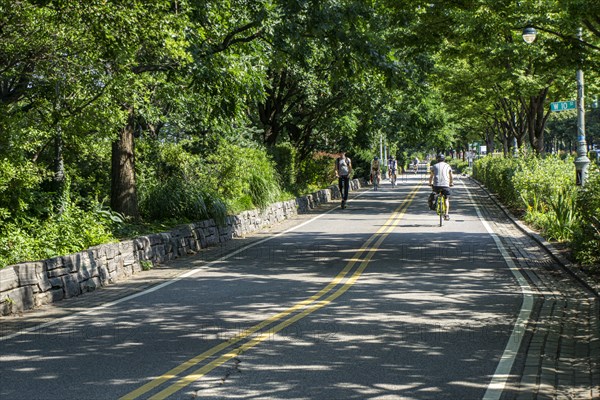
pixel 544 188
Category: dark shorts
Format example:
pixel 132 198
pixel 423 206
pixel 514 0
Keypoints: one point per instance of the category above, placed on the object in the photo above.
pixel 444 189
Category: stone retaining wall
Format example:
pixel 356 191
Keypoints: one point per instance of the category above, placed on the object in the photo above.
pixel 32 284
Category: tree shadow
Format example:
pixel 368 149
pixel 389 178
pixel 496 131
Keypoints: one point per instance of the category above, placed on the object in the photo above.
pixel 429 317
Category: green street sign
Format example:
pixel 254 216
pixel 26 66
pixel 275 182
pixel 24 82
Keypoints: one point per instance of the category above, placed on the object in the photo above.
pixel 563 105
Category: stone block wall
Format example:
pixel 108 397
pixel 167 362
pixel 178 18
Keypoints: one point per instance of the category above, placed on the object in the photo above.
pixel 32 284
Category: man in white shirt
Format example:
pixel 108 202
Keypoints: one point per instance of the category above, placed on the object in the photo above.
pixel 441 180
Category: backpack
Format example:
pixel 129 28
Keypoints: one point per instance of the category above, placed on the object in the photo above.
pixel 343 166
pixel 431 201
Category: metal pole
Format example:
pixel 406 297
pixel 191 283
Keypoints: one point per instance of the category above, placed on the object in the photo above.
pixel 381 148
pixel 582 161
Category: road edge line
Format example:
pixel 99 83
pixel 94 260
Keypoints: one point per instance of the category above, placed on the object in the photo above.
pixel 502 372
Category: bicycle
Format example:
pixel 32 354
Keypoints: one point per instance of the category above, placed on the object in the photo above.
pixel 393 178
pixel 440 205
pixel 375 178
pixel 415 168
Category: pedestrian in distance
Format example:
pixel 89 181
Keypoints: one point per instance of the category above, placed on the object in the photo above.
pixel 375 172
pixel 441 179
pixel 343 169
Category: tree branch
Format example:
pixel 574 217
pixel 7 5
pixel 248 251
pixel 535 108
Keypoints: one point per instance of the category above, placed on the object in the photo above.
pixel 139 69
pixel 231 39
pixel 588 24
pixel 568 38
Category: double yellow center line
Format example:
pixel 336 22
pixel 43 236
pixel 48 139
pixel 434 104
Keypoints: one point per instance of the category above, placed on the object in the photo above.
pixel 316 302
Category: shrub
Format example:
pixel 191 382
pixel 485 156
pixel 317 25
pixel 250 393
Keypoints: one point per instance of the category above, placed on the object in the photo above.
pixel 459 165
pixel 174 198
pixel 563 217
pixel 496 174
pixel 586 242
pixel 76 229
pixel 542 187
pixel 285 157
pixel 237 174
pixel 184 187
pixel 539 181
pixel 18 181
pixel 316 172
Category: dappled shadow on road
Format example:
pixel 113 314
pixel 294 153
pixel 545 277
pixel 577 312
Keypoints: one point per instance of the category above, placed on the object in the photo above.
pixel 428 318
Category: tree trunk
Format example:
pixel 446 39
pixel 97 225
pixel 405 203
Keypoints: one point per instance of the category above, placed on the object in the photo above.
pixel 536 121
pixel 504 137
pixel 59 179
pixel 489 140
pixel 123 182
pixel 271 110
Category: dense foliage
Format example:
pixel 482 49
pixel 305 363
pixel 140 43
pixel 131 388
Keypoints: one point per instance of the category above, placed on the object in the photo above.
pixel 544 190
pixel 134 114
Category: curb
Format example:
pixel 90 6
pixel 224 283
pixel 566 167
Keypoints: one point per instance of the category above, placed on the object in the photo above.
pixel 568 266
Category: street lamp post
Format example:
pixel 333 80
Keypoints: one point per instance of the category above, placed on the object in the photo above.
pixel 582 161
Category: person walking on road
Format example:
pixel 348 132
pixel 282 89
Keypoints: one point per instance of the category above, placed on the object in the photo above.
pixel 441 179
pixel 343 169
pixel 375 177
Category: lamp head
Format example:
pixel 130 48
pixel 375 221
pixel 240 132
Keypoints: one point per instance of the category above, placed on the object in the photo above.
pixel 529 34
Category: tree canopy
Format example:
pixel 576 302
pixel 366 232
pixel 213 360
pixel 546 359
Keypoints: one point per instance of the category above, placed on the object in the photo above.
pixel 95 95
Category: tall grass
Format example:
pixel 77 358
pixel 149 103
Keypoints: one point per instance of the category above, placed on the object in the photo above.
pixel 189 188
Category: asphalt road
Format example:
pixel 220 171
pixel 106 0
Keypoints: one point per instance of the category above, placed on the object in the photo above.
pixel 372 302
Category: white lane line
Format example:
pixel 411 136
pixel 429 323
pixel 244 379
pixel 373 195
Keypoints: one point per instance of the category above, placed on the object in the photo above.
pixel 496 386
pixel 164 284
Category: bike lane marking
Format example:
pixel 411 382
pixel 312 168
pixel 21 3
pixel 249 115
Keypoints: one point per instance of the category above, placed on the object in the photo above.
pixel 378 237
pixel 502 372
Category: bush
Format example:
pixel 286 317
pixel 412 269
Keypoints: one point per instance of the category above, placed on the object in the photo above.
pixel 545 189
pixel 539 181
pixel 541 187
pixel 18 183
pixel 187 188
pixel 74 230
pixel 459 165
pixel 174 198
pixel 239 174
pixel 316 172
pixel 285 157
pixel 496 174
pixel 586 242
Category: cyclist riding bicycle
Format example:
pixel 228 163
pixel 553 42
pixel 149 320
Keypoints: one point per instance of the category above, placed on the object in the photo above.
pixel 441 179
pixel 392 166
pixel 415 163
